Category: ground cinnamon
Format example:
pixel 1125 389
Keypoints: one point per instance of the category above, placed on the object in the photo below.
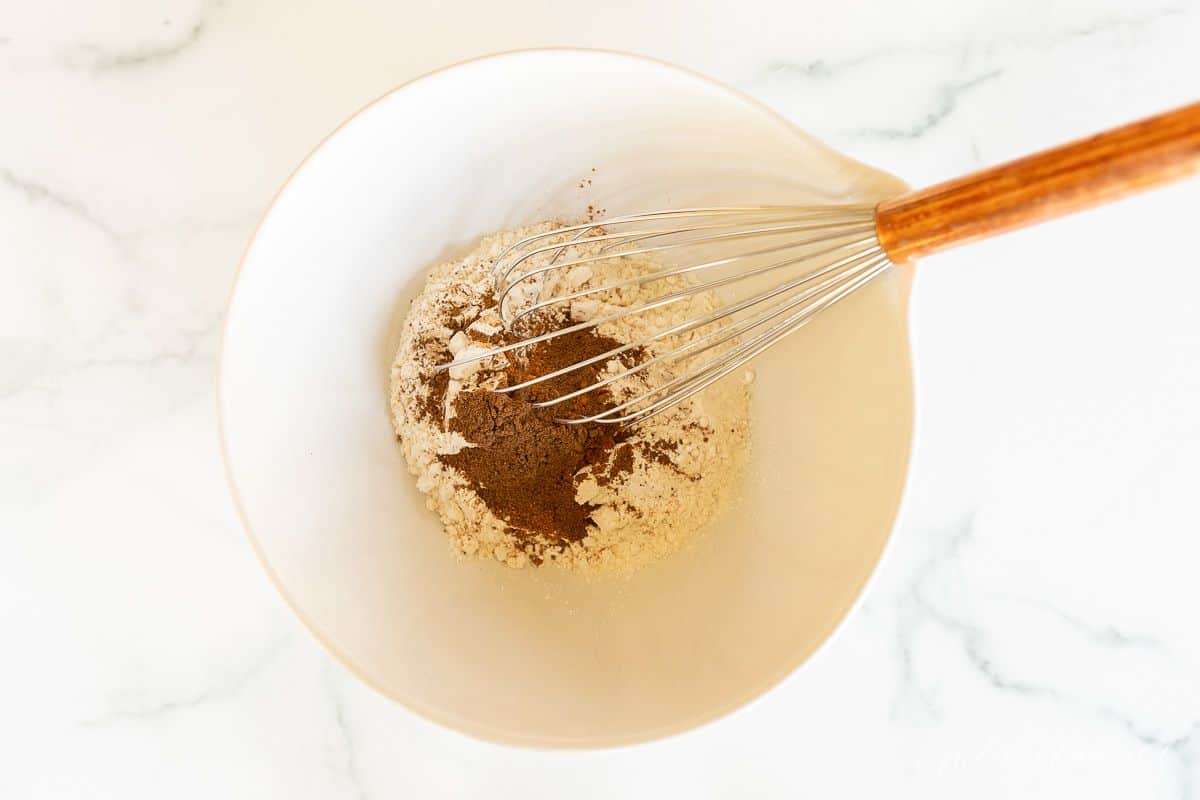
pixel 524 462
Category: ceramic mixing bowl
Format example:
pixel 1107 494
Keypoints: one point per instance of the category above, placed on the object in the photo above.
pixel 538 656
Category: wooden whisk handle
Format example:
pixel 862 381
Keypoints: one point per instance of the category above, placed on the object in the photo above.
pixel 1050 184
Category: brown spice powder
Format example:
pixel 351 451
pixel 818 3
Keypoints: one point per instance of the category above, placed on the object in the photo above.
pixel 523 463
pixel 622 462
pixel 432 406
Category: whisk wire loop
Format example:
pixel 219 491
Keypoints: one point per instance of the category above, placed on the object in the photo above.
pixel 833 251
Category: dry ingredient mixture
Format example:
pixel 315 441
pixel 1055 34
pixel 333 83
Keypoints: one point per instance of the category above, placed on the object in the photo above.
pixel 510 482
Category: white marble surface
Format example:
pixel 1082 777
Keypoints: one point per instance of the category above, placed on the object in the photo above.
pixel 1034 633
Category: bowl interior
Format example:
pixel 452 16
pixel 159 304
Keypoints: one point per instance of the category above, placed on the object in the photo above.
pixel 537 656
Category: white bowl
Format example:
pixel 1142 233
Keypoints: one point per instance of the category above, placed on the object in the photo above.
pixel 530 656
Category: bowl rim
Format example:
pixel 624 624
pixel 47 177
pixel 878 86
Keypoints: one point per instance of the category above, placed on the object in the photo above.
pixel 470 728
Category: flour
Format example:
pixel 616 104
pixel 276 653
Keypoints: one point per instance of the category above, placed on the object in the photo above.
pixel 647 495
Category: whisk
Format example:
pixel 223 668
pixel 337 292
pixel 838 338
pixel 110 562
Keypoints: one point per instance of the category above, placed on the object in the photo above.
pixel 815 256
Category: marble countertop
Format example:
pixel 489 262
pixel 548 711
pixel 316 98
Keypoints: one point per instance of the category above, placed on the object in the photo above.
pixel 1034 631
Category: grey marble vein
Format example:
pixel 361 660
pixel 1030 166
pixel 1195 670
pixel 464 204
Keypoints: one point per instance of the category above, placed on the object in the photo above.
pixel 227 686
pixel 948 98
pixel 349 764
pixel 104 60
pixel 911 612
pixel 36 192
pixel 976 152
pixel 1104 635
pixel 100 59
pixel 973 640
pixel 1110 24
pixel 962 54
pixel 830 68
pixel 1180 749
pixel 51 377
pixel 905 630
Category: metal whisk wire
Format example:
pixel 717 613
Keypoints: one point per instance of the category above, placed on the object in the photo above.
pixel 847 246
pixel 837 245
